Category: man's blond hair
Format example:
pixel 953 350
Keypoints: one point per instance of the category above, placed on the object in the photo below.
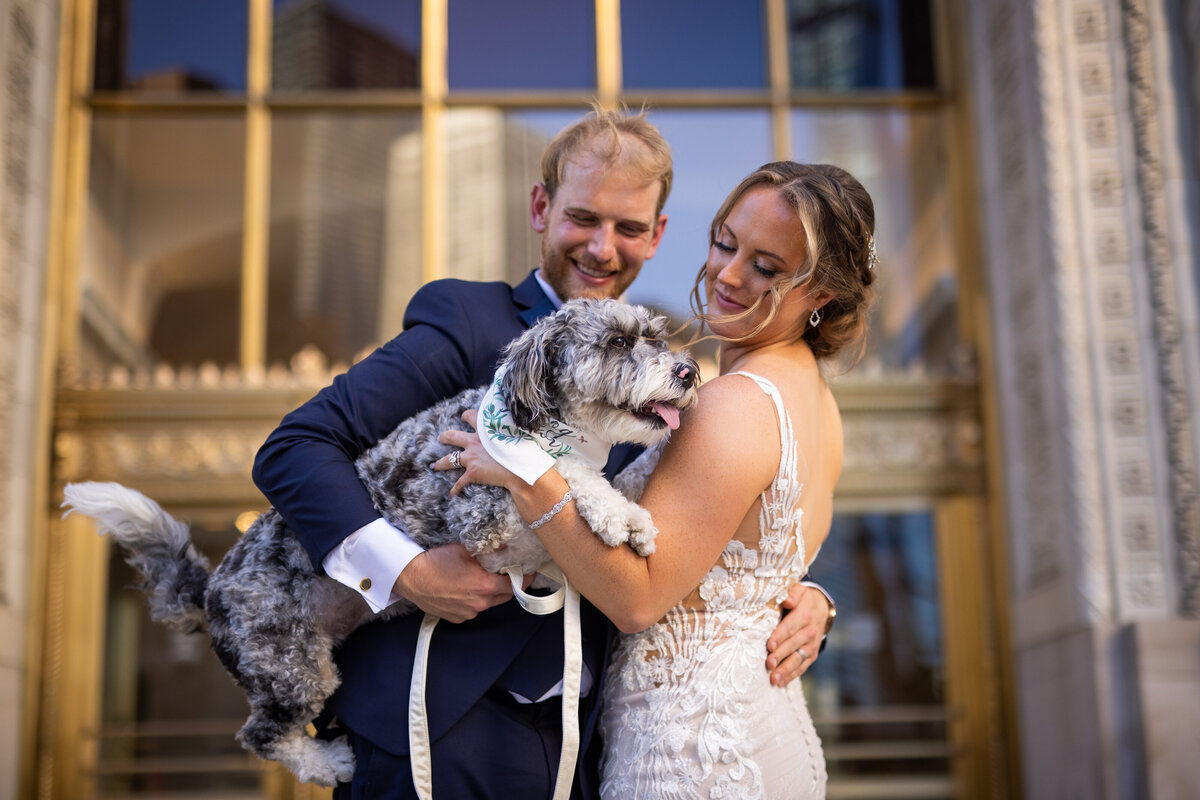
pixel 604 134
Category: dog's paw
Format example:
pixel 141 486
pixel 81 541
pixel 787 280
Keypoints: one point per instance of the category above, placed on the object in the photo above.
pixel 605 515
pixel 341 760
pixel 324 763
pixel 642 541
pixel 615 526
pixel 611 535
pixel 641 530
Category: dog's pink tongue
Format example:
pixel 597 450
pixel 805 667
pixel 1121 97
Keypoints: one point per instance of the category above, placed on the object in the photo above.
pixel 670 414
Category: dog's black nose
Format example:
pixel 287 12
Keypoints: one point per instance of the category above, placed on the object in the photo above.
pixel 686 373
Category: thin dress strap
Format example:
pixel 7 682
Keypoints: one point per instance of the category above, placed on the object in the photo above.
pixel 782 500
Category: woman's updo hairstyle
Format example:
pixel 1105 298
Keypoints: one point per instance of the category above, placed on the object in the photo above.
pixel 838 219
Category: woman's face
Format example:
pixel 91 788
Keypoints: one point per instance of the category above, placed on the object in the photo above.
pixel 759 243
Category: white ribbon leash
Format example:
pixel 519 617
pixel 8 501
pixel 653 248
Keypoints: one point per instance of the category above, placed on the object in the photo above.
pixel 420 756
pixel 566 598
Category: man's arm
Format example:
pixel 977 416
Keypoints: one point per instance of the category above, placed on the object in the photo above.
pixel 809 617
pixel 306 466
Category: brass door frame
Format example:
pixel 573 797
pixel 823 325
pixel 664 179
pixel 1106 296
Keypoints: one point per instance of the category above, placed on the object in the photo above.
pixel 131 434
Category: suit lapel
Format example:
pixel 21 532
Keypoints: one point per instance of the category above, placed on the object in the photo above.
pixel 532 301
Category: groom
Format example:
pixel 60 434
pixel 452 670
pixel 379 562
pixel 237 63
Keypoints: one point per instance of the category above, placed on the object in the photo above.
pixel 493 697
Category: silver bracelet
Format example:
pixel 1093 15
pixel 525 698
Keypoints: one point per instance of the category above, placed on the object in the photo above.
pixel 566 498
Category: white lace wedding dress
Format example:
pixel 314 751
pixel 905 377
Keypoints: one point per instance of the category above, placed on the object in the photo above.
pixel 689 710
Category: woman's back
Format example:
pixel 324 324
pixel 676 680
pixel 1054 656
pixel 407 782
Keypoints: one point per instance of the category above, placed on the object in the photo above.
pixel 689 709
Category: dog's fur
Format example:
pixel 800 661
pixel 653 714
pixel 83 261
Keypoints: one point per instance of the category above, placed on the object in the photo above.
pixel 595 365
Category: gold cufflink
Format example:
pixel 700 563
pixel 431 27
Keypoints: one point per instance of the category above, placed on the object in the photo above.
pixel 365 584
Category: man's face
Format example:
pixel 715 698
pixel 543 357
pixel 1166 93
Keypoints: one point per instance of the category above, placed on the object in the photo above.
pixel 599 229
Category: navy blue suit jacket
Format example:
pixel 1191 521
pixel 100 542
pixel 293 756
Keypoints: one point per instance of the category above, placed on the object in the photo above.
pixel 453 334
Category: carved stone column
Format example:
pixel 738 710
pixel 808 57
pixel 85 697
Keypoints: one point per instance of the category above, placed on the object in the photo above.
pixel 1089 244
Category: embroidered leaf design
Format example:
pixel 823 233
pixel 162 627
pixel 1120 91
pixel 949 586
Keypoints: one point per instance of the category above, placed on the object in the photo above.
pixel 497 429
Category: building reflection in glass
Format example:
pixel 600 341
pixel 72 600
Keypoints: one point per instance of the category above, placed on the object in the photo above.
pixel 840 45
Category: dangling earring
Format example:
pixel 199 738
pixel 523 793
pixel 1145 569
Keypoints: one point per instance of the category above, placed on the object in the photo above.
pixel 814 319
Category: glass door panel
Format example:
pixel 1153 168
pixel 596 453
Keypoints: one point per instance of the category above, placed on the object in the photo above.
pixel 693 44
pixel 841 45
pixel 169 710
pixel 877 691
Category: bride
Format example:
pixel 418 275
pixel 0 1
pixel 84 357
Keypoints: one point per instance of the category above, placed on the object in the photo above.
pixel 742 499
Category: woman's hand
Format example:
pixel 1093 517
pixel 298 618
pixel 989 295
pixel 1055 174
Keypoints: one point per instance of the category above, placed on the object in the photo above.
pixel 477 464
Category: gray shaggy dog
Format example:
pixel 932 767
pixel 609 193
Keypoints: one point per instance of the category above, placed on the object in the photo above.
pixel 595 365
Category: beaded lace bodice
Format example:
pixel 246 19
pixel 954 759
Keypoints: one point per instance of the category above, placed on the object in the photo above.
pixel 689 710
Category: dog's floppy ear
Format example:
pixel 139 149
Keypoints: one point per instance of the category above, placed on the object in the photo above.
pixel 528 380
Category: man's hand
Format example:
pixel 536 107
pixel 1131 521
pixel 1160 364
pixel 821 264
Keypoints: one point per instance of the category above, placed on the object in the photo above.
pixel 448 582
pixel 801 629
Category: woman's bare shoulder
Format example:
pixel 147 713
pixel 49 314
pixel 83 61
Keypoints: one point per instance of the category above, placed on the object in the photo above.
pixel 732 397
pixel 732 422
pixel 720 444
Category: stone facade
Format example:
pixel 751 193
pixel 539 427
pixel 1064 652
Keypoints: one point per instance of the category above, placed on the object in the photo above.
pixel 28 62
pixel 1089 248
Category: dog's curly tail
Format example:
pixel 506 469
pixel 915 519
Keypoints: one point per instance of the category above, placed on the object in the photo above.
pixel 158 546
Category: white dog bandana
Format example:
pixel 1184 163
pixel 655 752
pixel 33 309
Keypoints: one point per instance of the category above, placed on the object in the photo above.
pixel 529 454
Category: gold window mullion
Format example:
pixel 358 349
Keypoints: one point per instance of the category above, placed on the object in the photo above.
pixel 777 77
pixel 608 52
pixel 257 182
pixel 71 159
pixel 434 86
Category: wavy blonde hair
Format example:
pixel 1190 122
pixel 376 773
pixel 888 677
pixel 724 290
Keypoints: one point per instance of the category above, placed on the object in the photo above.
pixel 838 219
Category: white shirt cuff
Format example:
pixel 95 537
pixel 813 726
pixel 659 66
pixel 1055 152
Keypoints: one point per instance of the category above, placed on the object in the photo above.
pixel 369 561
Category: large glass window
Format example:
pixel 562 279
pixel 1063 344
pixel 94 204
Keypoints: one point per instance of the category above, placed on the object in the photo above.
pixel 841 45
pixel 901 158
pixel 181 46
pixel 345 229
pixel 161 264
pixel 692 44
pixel 329 165
pixel 713 150
pixel 346 44
pixel 535 44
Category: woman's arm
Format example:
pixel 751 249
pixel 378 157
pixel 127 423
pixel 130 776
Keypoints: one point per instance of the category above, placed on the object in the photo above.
pixel 716 465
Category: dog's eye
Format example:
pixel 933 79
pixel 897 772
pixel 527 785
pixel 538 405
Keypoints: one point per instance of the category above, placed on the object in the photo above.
pixel 623 342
